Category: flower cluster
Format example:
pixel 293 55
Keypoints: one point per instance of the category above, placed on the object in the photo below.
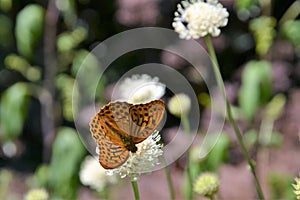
pixel 197 18
pixel 207 184
pixel 143 160
pixel 141 89
pixel 93 175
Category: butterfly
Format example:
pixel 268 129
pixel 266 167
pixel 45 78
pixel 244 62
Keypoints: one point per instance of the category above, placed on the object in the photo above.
pixel 119 126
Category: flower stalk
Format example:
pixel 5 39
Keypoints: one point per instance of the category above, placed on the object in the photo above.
pixel 229 114
pixel 170 182
pixel 186 126
pixel 135 190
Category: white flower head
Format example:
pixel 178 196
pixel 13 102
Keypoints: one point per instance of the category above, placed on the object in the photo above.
pixel 179 104
pixel 143 160
pixel 197 18
pixel 141 89
pixel 93 175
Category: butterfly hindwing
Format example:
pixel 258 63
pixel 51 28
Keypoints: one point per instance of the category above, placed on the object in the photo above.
pixel 111 155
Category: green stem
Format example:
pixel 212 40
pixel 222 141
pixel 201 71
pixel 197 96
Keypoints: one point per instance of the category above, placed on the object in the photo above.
pixel 190 177
pixel 186 126
pixel 169 180
pixel 230 117
pixel 135 190
pixel 291 13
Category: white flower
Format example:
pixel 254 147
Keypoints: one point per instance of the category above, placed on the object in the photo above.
pixel 141 89
pixel 179 104
pixel 143 160
pixel 197 18
pixel 93 175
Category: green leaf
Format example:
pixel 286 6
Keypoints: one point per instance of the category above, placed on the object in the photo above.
pixel 40 178
pixel 29 28
pixel 13 109
pixel 275 107
pixel 291 30
pixel 68 152
pixel 211 162
pixel 256 87
pixel 244 4
pixel 6 39
pixel 219 153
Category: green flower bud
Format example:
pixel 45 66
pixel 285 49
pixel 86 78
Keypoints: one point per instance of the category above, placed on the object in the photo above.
pixel 207 184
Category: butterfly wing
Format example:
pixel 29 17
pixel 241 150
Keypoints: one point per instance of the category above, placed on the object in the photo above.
pixel 115 117
pixel 144 119
pixel 111 155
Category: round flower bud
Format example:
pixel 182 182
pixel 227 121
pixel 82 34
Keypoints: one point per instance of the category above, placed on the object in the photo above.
pixel 179 104
pixel 207 184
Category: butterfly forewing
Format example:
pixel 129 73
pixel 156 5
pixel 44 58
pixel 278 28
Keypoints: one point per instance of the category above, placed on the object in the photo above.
pixel 115 116
pixel 144 119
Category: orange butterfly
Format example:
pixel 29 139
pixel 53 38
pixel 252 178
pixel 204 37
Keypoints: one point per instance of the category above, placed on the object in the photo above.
pixel 119 126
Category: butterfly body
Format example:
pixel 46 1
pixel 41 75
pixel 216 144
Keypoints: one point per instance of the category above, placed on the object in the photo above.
pixel 119 126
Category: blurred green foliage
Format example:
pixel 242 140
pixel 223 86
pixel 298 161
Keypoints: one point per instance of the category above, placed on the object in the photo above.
pixel 65 84
pixel 21 65
pixel 280 186
pixel 266 135
pixel 89 63
pixel 6 28
pixel 211 162
pixel 29 29
pixel 245 4
pixel 13 109
pixel 6 177
pixel 264 39
pixel 6 5
pixel 40 178
pixel 291 30
pixel 68 152
pixel 273 110
pixel 256 88
pixel 69 40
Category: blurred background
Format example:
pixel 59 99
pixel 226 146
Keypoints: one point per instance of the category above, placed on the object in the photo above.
pixel 43 43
